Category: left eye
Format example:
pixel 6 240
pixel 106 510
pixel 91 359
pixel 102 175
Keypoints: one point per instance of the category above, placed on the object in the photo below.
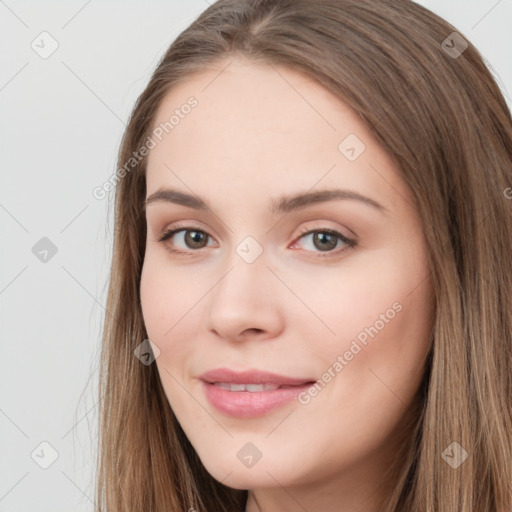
pixel 325 240
pixel 321 240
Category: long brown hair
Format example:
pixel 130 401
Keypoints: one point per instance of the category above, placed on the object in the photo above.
pixel 440 114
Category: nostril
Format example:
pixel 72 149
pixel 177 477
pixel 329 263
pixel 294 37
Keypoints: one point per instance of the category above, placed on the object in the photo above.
pixel 252 331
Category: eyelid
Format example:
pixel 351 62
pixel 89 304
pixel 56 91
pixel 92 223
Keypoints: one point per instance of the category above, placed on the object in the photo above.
pixel 322 227
pixel 180 226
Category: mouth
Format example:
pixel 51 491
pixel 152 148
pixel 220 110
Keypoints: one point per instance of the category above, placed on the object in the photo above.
pixel 248 378
pixel 250 393
pixel 252 388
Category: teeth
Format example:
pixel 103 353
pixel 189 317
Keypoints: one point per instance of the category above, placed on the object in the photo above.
pixel 252 388
pixel 261 387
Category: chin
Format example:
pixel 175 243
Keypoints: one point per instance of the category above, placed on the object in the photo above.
pixel 245 479
pixel 230 471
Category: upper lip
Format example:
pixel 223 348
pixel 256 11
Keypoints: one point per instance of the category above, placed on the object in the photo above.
pixel 226 375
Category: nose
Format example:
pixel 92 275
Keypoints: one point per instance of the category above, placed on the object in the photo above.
pixel 244 304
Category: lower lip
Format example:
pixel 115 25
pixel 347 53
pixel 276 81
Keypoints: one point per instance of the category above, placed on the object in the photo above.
pixel 246 404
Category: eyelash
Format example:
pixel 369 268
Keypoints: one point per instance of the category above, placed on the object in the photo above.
pixel 350 243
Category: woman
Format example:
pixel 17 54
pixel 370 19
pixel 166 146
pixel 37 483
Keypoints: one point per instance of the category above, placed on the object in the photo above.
pixel 309 305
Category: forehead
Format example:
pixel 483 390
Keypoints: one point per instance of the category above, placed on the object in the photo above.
pixel 262 125
pixel 253 103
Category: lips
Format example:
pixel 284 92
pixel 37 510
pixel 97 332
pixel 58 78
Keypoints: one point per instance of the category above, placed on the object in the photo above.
pixel 250 393
pixel 227 376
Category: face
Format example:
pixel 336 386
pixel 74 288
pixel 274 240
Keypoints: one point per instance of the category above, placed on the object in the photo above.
pixel 328 292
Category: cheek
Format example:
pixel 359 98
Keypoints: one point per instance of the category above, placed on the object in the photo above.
pixel 370 371
pixel 154 293
pixel 373 292
pixel 167 302
pixel 172 322
pixel 166 293
pixel 381 318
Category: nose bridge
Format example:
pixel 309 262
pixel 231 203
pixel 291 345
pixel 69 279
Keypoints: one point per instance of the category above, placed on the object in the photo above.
pixel 242 298
pixel 244 278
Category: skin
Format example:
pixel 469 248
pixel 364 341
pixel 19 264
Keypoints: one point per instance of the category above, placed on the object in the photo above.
pixel 259 133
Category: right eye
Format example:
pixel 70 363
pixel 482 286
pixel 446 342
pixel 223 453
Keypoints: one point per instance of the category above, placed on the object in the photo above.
pixel 190 238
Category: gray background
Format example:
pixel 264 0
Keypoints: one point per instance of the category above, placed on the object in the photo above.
pixel 62 118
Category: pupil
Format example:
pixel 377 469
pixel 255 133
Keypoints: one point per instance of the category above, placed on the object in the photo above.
pixel 325 237
pixel 194 238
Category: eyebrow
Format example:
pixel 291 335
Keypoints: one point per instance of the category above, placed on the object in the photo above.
pixel 284 204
